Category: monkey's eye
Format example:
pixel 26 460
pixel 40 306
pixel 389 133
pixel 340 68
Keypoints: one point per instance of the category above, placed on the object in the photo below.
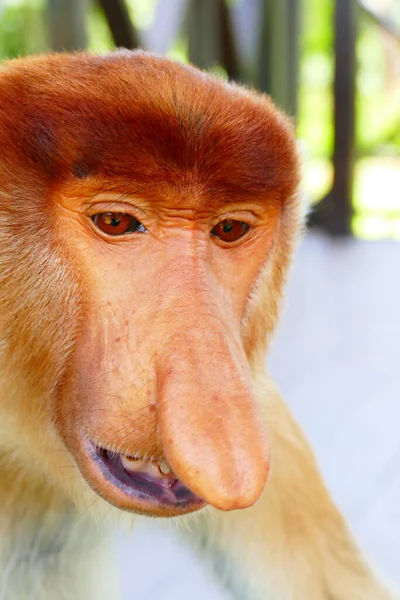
pixel 115 223
pixel 229 230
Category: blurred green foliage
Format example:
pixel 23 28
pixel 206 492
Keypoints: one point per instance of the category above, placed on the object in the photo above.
pixel 378 108
pixel 22 28
pixel 376 196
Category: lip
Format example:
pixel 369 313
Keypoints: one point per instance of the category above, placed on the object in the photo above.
pixel 134 492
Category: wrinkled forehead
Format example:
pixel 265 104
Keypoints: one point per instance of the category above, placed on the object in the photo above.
pixel 145 121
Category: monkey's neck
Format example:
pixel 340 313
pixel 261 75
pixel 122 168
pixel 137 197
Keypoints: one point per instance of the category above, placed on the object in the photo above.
pixel 24 496
pixel 48 550
pixel 33 518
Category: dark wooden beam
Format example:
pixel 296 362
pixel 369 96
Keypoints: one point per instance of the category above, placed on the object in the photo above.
pixel 122 29
pixel 335 211
pixel 344 94
pixel 229 53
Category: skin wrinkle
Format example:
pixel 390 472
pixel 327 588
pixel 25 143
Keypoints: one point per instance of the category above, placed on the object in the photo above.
pixel 170 216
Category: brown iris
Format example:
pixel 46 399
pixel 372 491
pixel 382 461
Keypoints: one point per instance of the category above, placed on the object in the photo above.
pixel 230 230
pixel 115 223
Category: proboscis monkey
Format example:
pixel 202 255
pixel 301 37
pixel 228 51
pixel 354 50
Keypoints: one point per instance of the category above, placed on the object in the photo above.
pixel 148 214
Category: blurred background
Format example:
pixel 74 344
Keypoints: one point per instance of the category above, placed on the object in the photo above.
pixel 334 65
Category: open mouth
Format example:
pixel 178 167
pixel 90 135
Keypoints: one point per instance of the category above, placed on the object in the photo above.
pixel 147 486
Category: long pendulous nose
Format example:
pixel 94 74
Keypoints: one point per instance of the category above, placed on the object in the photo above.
pixel 210 425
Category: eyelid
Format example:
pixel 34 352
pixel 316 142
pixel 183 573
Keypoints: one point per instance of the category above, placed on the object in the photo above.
pixel 244 216
pixel 115 207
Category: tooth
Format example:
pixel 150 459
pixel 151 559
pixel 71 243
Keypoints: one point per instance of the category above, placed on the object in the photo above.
pixel 152 469
pixel 164 467
pixel 138 465
pixel 133 464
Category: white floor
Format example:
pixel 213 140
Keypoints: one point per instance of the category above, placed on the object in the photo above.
pixel 337 360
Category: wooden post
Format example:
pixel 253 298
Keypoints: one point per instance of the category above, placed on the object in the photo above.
pixel 67 24
pixel 344 94
pixel 122 30
pixel 334 212
pixel 228 47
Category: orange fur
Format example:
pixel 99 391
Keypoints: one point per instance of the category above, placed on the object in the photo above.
pixel 152 345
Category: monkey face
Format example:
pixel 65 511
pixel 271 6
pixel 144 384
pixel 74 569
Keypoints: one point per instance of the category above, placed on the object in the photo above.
pixel 159 372
pixel 167 199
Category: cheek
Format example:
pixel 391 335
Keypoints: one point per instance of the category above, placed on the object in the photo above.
pixel 110 375
pixel 42 313
pixel 238 271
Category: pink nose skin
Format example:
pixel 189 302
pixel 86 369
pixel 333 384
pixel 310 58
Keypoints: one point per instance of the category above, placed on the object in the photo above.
pixel 211 429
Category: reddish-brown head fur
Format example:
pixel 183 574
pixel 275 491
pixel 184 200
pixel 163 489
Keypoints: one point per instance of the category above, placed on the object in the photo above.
pixel 143 344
